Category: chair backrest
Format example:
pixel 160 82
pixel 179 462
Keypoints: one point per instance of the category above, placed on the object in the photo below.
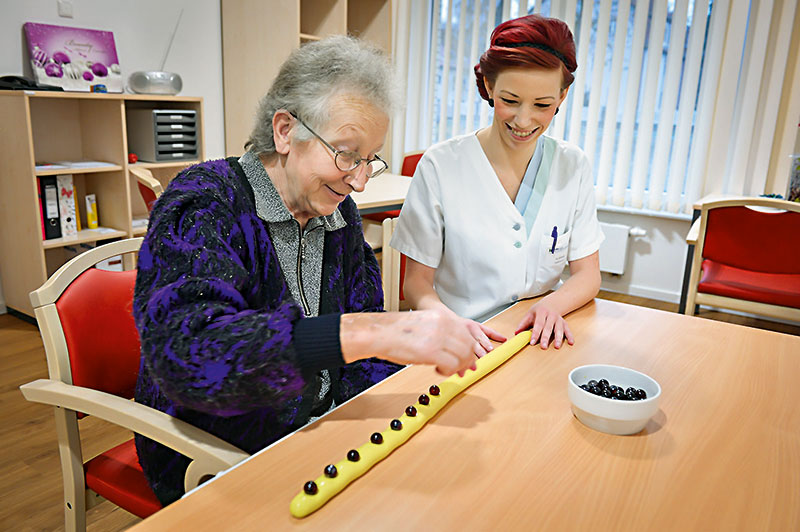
pixel 410 161
pixel 755 239
pixel 149 187
pixel 96 313
pixel 85 315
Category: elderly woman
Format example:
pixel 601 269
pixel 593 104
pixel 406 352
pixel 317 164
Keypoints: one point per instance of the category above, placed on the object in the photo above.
pixel 256 296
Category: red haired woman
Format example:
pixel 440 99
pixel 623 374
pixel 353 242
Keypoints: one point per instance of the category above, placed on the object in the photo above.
pixel 494 216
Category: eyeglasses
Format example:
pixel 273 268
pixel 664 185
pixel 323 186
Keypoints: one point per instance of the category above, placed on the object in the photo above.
pixel 347 161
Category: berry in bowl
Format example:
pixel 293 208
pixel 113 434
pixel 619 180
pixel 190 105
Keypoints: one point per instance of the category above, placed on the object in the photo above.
pixel 612 399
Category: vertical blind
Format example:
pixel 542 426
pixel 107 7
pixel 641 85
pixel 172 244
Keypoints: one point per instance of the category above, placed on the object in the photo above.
pixel 672 99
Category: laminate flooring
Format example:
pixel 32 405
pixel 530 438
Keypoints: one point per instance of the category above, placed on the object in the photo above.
pixel 29 463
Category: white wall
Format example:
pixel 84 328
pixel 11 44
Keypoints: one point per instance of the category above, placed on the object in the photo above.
pixel 141 31
pixel 655 262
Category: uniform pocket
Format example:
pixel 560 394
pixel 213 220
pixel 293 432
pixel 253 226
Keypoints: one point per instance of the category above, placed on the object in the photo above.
pixel 552 260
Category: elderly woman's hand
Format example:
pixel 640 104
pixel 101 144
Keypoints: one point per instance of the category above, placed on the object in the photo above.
pixel 434 337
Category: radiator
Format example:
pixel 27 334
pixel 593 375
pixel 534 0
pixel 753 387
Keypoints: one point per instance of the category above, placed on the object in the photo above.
pixel 614 249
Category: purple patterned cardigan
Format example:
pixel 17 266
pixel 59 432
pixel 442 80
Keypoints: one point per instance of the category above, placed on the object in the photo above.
pixel 224 345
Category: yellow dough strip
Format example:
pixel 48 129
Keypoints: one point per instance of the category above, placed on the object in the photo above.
pixel 371 453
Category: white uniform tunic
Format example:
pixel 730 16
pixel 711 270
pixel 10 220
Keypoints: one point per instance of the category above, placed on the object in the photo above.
pixel 458 219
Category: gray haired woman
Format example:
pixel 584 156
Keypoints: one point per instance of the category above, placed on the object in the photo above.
pixel 257 298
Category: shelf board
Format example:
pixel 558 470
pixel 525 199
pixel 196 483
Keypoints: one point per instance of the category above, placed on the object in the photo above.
pixel 69 95
pixel 168 164
pixel 139 231
pixel 77 170
pixel 84 235
pixel 309 37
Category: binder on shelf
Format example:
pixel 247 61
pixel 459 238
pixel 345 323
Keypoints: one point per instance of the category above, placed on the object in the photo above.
pixel 66 205
pixel 48 199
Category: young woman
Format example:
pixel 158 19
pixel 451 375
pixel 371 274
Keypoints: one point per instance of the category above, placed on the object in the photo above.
pixel 494 216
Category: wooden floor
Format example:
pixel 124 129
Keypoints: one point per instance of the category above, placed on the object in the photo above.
pixel 29 463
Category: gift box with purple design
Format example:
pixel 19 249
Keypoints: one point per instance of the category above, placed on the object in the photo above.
pixel 73 58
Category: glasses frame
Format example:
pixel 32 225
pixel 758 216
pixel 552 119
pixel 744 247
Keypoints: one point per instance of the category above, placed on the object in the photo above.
pixel 356 157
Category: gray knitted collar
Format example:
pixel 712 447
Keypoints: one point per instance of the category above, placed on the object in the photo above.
pixel 270 206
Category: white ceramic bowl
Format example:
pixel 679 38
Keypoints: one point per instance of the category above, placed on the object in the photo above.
pixel 610 415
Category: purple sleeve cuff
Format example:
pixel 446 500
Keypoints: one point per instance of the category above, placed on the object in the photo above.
pixel 316 342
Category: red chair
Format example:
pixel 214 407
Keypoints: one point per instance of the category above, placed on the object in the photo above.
pixel 746 257
pixel 410 161
pixel 149 187
pixel 93 354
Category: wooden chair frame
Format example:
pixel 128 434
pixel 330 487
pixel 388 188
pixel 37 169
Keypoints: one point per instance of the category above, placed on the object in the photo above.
pixel 146 177
pixel 209 454
pixel 390 268
pixel 697 236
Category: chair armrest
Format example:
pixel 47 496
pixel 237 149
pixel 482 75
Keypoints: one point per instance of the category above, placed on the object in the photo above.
pixel 213 453
pixel 694 232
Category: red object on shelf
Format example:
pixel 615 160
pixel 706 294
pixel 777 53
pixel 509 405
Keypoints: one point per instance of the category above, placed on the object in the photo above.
pixel 132 158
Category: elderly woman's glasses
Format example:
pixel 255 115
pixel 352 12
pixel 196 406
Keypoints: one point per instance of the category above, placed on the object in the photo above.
pixel 347 161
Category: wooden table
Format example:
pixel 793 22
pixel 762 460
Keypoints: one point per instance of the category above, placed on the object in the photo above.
pixel 723 451
pixel 384 193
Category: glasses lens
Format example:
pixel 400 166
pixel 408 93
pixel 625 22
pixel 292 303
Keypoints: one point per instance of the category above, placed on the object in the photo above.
pixel 347 160
pixel 376 168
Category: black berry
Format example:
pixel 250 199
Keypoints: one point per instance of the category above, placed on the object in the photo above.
pixel 611 391
pixel 411 411
pixel 424 399
pixel 396 424
pixel 330 471
pixel 376 437
pixel 434 390
pixel 310 487
pixel 353 455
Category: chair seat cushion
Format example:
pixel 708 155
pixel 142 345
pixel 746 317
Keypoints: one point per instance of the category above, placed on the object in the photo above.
pixel 771 288
pixel 381 216
pixel 117 476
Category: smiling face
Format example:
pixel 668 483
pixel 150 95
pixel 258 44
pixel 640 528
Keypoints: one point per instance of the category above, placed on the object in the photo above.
pixel 525 101
pixel 312 184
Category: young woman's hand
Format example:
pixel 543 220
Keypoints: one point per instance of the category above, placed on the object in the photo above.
pixel 545 323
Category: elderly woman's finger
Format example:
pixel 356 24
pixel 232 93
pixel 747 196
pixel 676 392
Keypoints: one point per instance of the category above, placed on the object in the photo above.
pixel 491 333
pixel 479 350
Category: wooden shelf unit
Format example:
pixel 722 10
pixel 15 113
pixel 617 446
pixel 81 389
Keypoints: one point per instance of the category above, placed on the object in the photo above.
pixel 42 126
pixel 251 56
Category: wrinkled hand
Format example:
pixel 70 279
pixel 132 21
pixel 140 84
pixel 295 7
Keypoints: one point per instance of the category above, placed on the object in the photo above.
pixel 436 337
pixel 481 333
pixel 546 323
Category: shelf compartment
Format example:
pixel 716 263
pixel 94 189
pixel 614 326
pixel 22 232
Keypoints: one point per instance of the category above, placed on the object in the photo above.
pixel 321 18
pixel 77 129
